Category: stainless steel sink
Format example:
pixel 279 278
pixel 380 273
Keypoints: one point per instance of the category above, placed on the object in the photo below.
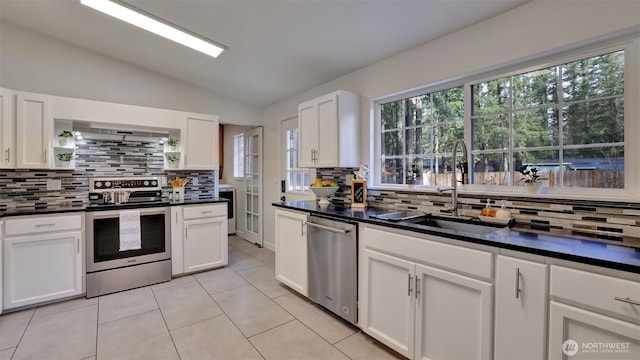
pixel 401 215
pixel 457 226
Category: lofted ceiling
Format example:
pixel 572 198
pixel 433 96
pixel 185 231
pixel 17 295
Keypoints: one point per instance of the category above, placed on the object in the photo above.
pixel 276 49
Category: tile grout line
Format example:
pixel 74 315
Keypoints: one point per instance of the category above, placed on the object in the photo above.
pixel 164 320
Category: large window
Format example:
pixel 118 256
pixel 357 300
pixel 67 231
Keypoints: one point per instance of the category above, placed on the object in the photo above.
pixel 297 179
pixel 417 137
pixel 565 118
pixel 238 156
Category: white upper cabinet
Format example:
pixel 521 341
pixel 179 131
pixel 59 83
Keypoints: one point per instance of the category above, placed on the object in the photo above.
pixel 7 126
pixel 200 142
pixel 328 127
pixel 34 129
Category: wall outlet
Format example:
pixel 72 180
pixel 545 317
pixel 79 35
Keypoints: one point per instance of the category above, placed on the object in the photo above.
pixel 54 184
pixel 163 181
pixel 195 181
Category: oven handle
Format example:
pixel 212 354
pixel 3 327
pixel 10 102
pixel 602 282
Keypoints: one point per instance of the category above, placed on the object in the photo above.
pixel 328 228
pixel 115 213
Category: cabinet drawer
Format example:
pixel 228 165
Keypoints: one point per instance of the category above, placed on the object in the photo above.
pixel 42 224
pixel 599 292
pixel 472 262
pixel 204 211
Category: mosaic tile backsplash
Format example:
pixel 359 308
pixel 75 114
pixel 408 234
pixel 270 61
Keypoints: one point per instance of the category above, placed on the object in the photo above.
pixel 27 189
pixel 612 222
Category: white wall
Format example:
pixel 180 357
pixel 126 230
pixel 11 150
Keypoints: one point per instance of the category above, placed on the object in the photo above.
pixel 535 28
pixel 37 63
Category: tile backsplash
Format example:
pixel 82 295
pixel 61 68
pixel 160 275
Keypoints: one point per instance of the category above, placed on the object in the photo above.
pixel 613 222
pixel 27 189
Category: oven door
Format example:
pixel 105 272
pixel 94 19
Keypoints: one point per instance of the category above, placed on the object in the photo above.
pixel 103 239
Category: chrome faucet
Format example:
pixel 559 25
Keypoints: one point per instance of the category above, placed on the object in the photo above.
pixel 454 179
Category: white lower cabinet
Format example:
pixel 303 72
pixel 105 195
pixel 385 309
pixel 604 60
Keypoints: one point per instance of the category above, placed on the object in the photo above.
pixel 593 316
pixel 521 309
pixel 291 250
pixel 1 246
pixel 177 254
pixel 423 311
pixel 42 266
pixel 205 237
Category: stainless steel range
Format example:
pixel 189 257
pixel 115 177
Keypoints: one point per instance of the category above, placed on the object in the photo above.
pixel 128 232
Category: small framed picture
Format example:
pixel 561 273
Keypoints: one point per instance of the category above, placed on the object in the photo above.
pixel 358 193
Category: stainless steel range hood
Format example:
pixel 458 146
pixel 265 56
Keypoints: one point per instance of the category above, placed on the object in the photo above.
pixel 112 132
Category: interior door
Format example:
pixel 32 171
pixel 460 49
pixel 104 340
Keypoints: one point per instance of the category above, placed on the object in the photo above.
pixel 253 185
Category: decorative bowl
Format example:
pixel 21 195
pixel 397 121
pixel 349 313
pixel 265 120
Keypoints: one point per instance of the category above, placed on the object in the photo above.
pixel 324 193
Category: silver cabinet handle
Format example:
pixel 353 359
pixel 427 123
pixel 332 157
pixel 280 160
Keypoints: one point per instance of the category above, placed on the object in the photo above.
pixel 206 212
pixel 42 225
pixel 417 286
pixel 409 283
pixel 328 228
pixel 518 283
pixel 78 244
pixel 44 159
pixel 8 154
pixel 302 228
pixel 627 300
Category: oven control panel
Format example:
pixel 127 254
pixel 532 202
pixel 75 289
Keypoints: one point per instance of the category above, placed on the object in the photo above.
pixel 134 183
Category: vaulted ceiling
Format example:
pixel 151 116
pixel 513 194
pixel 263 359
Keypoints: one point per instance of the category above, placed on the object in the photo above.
pixel 276 49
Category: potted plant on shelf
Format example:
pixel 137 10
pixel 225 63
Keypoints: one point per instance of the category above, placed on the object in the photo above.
pixel 173 161
pixel 65 158
pixel 64 136
pixel 173 144
pixel 531 179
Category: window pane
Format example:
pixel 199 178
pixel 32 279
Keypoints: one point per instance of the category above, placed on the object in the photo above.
pixel 594 122
pixel 414 141
pixel 491 97
pixel 445 134
pixel 546 161
pixel 594 77
pixel 392 171
pixel 491 169
pixel 393 143
pixel 490 132
pixel 392 115
pixel 595 167
pixel 535 88
pixel 535 128
pixel 448 104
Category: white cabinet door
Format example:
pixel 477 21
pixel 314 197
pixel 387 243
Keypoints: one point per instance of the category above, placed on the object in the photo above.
pixel 200 142
pixel 327 131
pixel 453 316
pixel 1 246
pixel 205 244
pixel 576 333
pixel 34 130
pixel 291 250
pixel 308 134
pixel 387 300
pixel 521 309
pixel 41 268
pixel 177 257
pixel 7 135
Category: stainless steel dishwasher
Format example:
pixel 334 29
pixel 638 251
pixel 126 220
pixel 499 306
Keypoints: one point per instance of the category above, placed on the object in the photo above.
pixel 333 265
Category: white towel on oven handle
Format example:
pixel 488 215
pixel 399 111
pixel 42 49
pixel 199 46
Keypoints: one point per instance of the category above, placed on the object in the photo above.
pixel 130 238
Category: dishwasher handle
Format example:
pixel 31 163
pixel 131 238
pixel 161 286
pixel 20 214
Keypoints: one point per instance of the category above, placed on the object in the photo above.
pixel 328 228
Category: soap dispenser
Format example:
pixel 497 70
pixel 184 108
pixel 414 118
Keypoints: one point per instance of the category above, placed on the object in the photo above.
pixel 488 211
pixel 503 212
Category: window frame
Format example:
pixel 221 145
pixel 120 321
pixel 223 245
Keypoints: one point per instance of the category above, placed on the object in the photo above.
pixel 631 46
pixel 238 157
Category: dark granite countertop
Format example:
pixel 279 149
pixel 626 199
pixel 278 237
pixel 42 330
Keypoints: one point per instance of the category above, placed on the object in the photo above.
pixel 83 207
pixel 586 251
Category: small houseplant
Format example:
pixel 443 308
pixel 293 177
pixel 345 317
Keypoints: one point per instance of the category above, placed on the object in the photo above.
pixel 173 160
pixel 531 179
pixel 65 157
pixel 64 137
pixel 412 175
pixel 173 143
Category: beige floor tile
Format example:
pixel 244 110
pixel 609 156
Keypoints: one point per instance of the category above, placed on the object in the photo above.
pixel 268 257
pixel 220 280
pixel 126 303
pixel 239 260
pixel 174 282
pixel 251 310
pixel 6 353
pixel 66 335
pixel 216 338
pixel 185 305
pixel 142 336
pixel 12 327
pixel 64 306
pixel 362 347
pixel 264 278
pixel 317 319
pixel 293 340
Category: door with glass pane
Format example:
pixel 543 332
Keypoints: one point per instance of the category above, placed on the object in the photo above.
pixel 253 185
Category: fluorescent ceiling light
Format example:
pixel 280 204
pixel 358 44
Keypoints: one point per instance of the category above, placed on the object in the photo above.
pixel 145 21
